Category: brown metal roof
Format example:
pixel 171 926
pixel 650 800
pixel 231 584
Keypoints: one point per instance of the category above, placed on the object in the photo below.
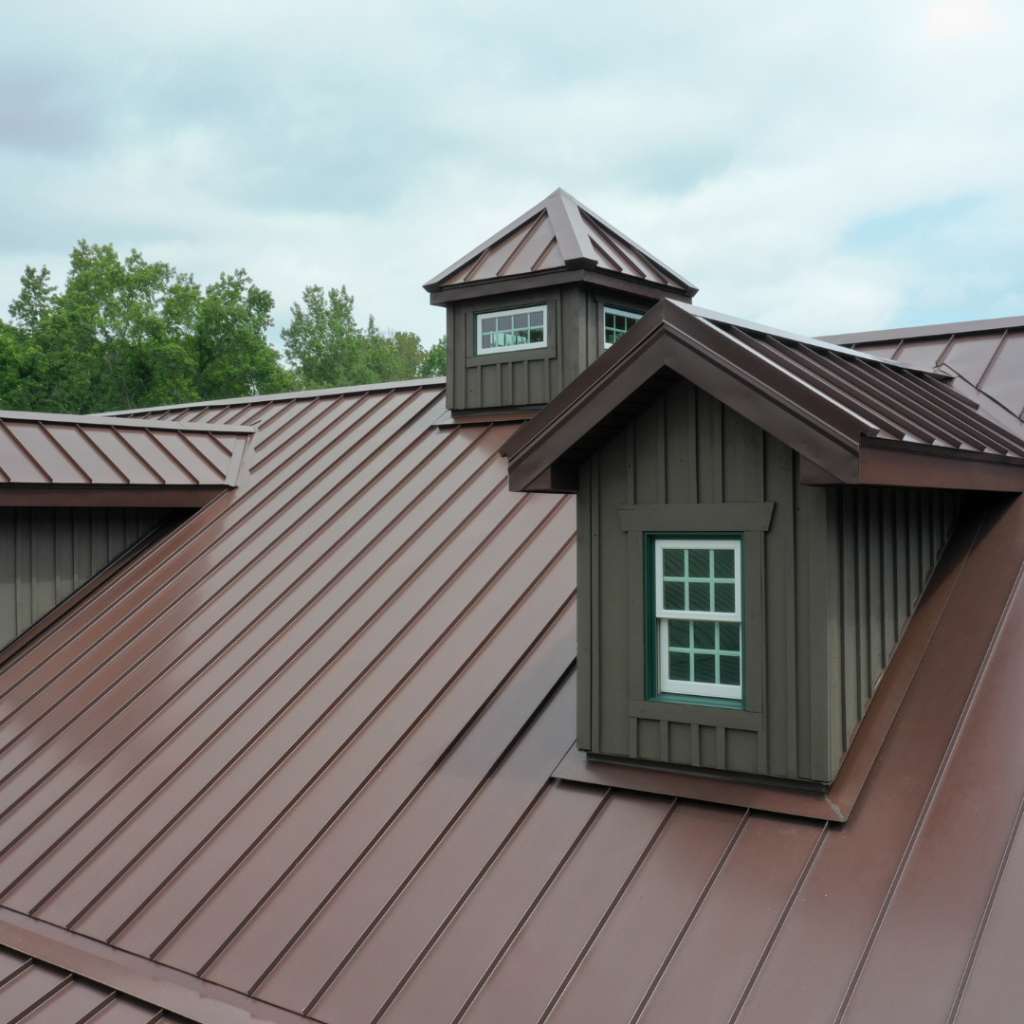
pixel 559 233
pixel 32 992
pixel 296 761
pixel 859 418
pixel 983 358
pixel 49 459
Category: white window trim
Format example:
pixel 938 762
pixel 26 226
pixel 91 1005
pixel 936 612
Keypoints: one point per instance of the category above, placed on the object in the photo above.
pixel 480 317
pixel 631 313
pixel 662 615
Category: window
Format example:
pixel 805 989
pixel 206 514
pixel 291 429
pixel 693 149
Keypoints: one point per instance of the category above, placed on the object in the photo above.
pixel 511 328
pixel 698 620
pixel 616 323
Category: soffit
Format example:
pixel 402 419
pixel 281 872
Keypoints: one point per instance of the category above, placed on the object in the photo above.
pixel 559 233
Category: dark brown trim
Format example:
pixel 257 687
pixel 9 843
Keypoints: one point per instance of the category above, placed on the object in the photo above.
pixel 132 975
pixel 78 596
pixel 111 496
pixel 891 467
pixel 483 417
pixel 577 767
pixel 836 803
pixel 605 279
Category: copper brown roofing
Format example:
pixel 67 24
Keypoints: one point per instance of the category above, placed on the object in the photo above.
pixel 47 459
pixel 559 233
pixel 32 992
pixel 853 417
pixel 296 761
pixel 983 358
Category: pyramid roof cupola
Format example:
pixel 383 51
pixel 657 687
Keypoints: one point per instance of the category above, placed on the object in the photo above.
pixel 556 236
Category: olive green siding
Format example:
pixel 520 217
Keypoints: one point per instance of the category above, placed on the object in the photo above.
pixel 46 554
pixel 530 377
pixel 829 586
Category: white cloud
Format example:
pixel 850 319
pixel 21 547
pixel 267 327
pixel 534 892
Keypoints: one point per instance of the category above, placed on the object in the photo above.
pixel 815 164
pixel 949 18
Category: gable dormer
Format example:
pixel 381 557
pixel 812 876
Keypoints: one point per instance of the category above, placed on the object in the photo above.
pixel 759 515
pixel 541 300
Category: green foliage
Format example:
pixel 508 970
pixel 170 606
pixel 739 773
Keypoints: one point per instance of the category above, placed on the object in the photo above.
pixel 129 334
pixel 328 349
pixel 435 363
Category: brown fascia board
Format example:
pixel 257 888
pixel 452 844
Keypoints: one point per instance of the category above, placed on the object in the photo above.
pixel 554 278
pixel 924 331
pixel 835 802
pixel 108 495
pixel 669 336
pixel 175 991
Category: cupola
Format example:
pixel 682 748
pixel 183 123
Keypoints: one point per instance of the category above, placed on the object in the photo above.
pixel 541 300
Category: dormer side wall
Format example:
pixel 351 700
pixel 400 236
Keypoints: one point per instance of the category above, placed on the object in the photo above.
pixel 830 578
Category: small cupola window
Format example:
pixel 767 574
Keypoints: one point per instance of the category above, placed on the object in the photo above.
pixel 616 323
pixel 698 621
pixel 512 328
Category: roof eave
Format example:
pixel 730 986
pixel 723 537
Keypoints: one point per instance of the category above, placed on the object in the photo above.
pixel 838 446
pixel 447 294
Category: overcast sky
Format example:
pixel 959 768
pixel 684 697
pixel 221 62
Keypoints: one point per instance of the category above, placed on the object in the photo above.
pixel 820 166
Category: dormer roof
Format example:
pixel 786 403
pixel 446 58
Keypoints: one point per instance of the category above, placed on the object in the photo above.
pixel 560 234
pixel 853 417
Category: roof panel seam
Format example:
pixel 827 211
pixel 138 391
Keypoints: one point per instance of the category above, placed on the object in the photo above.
pixel 690 917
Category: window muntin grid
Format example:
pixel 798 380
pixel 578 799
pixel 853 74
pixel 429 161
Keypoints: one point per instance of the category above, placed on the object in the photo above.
pixel 698 604
pixel 616 323
pixel 511 328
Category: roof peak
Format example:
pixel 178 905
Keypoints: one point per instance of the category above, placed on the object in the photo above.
pixel 559 233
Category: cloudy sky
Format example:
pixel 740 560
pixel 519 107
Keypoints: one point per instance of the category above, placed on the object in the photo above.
pixel 819 165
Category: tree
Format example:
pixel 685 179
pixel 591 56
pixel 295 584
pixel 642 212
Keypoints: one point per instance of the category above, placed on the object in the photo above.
pixel 127 334
pixel 130 334
pixel 328 349
pixel 435 363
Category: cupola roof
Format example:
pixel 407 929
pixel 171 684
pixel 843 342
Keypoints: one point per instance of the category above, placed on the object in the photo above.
pixel 560 234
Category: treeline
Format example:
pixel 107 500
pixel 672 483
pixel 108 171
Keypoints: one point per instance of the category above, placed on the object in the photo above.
pixel 128 334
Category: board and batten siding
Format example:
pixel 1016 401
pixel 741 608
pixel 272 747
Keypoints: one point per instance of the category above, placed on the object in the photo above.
pixel 838 573
pixel 46 554
pixel 530 377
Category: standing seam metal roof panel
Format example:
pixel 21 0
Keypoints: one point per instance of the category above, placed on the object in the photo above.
pixel 302 750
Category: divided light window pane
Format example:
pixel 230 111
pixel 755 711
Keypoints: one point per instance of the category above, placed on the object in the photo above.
pixel 511 328
pixel 616 323
pixel 699 617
